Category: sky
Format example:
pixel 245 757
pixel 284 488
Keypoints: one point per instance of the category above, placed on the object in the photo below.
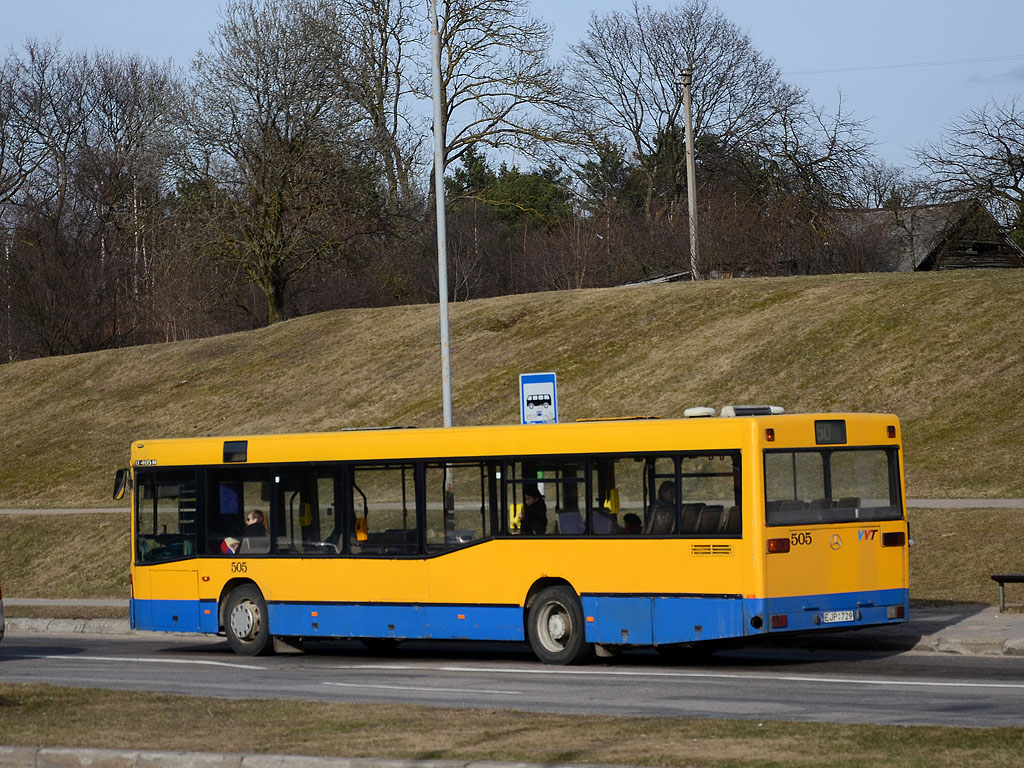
pixel 908 67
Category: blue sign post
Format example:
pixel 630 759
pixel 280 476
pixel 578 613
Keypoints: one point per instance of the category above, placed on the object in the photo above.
pixel 538 398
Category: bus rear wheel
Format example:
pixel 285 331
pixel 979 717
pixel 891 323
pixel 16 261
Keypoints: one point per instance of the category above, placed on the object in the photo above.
pixel 555 627
pixel 245 622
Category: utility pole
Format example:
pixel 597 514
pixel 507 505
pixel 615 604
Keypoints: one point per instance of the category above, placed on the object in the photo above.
pixel 442 237
pixel 686 76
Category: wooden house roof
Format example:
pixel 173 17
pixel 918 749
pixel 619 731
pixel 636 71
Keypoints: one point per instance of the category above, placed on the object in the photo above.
pixel 957 235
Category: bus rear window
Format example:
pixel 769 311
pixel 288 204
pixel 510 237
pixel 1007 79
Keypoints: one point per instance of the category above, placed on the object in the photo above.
pixel 838 485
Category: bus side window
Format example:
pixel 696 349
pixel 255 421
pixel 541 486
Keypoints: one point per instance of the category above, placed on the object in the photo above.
pixel 231 494
pixel 711 494
pixel 459 501
pixel 305 522
pixel 384 500
pixel 557 488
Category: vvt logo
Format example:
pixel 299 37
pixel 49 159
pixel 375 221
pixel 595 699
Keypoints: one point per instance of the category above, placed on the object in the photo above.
pixel 866 534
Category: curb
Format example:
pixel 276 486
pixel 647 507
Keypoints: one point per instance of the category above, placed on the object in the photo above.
pixel 70 627
pixel 966 644
pixel 64 757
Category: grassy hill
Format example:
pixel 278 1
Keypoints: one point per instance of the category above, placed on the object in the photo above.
pixel 943 351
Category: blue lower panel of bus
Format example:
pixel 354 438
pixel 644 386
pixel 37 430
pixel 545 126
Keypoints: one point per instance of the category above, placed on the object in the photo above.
pixel 170 615
pixel 641 620
pixel 608 619
pixel 428 622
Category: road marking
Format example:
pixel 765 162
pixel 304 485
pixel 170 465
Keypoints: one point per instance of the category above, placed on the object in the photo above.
pixel 742 676
pixel 143 660
pixel 675 675
pixel 428 690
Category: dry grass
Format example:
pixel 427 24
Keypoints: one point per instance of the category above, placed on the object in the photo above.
pixel 66 611
pixel 33 715
pixel 941 350
pixel 956 551
pixel 65 556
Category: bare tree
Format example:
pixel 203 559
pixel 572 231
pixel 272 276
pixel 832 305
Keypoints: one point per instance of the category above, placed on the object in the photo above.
pixel 380 34
pixel 83 230
pixel 18 154
pixel 981 154
pixel 626 73
pixel 15 165
pixel 276 146
pixel 49 278
pixel 499 87
pixel 879 184
pixel 122 168
pixel 815 155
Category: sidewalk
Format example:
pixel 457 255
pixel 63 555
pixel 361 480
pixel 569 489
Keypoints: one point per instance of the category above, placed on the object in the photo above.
pixel 970 629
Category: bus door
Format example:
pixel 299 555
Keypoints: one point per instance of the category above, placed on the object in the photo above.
pixel 165 585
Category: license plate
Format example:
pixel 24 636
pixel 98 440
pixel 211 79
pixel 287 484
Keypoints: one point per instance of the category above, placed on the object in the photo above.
pixel 832 617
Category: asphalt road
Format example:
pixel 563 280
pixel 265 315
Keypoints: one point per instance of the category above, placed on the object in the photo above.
pixel 751 683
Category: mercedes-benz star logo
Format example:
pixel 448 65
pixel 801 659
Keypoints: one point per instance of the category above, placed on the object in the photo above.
pixel 835 542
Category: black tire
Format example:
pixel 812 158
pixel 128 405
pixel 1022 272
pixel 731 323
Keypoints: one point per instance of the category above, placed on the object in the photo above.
pixel 555 627
pixel 246 623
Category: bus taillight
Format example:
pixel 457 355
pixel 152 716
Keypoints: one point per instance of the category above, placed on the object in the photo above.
pixel 894 539
pixel 895 612
pixel 778 546
pixel 779 621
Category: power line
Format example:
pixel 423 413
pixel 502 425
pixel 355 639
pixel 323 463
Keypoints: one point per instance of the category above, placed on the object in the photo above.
pixel 981 60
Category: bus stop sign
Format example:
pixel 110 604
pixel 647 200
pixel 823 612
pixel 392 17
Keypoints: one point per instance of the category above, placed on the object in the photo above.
pixel 538 400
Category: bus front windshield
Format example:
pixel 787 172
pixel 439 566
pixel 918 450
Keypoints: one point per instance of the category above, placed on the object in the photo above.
pixel 831 485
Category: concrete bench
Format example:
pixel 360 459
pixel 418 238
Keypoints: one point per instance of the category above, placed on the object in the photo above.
pixel 1006 578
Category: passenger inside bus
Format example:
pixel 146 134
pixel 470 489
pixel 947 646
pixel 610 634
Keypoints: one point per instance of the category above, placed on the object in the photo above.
pixel 631 524
pixel 535 512
pixel 255 525
pixel 663 511
pixel 254 536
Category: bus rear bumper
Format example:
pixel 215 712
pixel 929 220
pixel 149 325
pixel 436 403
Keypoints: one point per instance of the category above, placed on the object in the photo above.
pixel 826 611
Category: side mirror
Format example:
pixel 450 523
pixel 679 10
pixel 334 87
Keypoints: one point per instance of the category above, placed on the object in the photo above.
pixel 121 483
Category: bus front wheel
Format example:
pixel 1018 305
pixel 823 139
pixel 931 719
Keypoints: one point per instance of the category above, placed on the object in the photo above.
pixel 555 627
pixel 245 621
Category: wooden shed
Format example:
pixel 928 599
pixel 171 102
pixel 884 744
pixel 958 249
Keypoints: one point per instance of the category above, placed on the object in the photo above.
pixel 958 235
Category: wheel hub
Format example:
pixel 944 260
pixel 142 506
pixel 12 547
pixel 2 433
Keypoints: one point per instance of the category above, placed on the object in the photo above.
pixel 557 627
pixel 243 620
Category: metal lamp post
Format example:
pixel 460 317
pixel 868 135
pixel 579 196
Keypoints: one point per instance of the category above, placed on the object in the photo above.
pixel 442 239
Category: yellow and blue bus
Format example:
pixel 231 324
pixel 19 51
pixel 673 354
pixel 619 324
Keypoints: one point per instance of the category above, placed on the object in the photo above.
pixel 651 532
